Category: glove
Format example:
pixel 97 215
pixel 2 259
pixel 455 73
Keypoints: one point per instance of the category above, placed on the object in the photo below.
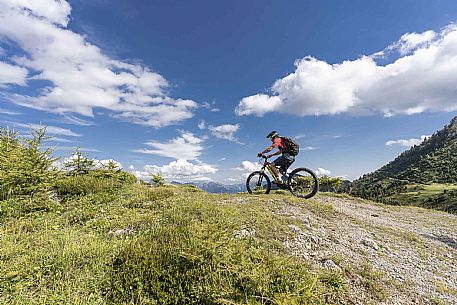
pixel 259 155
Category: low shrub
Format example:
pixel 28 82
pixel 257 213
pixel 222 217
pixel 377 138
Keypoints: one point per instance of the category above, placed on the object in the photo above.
pixel 22 205
pixel 84 184
pixel 95 182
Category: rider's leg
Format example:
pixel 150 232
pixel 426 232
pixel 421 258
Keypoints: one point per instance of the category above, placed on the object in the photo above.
pixel 275 169
pixel 282 162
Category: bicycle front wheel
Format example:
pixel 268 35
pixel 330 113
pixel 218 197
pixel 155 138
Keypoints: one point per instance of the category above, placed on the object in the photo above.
pixel 303 183
pixel 258 183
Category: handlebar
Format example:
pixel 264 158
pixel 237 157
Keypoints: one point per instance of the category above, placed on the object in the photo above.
pixel 263 158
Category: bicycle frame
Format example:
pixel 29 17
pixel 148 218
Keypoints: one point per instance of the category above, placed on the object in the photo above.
pixel 267 165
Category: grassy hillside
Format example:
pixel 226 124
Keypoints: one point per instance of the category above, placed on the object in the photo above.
pixel 142 245
pixel 178 245
pixel 422 168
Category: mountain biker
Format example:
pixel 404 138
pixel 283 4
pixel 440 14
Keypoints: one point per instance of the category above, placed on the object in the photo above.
pixel 285 160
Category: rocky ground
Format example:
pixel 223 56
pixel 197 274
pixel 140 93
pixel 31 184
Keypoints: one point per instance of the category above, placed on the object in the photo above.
pixel 388 254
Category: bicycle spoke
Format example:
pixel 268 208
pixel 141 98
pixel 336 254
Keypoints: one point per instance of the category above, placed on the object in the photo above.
pixel 303 183
pixel 258 183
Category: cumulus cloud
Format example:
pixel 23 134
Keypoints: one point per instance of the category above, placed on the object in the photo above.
pixel 322 172
pixel 226 131
pixel 421 79
pixel 178 170
pixel 79 76
pixel 407 142
pixel 248 166
pixel 187 147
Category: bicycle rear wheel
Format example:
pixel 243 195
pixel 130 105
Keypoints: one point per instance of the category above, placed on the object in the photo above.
pixel 258 183
pixel 303 183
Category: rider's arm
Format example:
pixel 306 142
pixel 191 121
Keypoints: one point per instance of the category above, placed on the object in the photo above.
pixel 268 149
pixel 274 154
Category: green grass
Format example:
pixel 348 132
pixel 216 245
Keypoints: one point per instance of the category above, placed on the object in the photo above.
pixel 426 190
pixel 179 248
pixel 441 196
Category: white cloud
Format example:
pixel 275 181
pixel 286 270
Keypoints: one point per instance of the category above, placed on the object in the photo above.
pixel 248 166
pixel 322 172
pixel 202 124
pixel 50 130
pixel 9 112
pixel 13 75
pixel 226 131
pixel 81 77
pixel 407 142
pixel 71 119
pixel 186 147
pixel 308 148
pixel 178 170
pixel 211 107
pixel 422 79
pixel 411 41
pixel 54 11
pixel 63 140
pixel 258 105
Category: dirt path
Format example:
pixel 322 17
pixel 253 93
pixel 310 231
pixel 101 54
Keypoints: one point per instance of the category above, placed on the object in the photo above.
pixel 413 250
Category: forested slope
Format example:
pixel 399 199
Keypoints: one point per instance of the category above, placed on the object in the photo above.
pixel 423 175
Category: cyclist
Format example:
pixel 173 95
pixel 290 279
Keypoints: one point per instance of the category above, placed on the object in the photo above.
pixel 285 160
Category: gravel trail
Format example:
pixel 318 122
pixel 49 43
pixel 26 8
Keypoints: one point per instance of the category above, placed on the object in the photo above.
pixel 413 250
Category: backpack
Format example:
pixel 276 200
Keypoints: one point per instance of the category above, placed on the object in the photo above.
pixel 292 146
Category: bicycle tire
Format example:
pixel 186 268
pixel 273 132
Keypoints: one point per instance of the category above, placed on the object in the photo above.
pixel 262 176
pixel 294 190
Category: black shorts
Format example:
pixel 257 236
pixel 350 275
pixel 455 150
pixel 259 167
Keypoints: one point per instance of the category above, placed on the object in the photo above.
pixel 284 161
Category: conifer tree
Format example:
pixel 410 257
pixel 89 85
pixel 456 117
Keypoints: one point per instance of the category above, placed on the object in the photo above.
pixel 79 164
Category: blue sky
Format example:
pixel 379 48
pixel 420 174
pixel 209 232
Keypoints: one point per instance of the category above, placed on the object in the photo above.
pixel 191 88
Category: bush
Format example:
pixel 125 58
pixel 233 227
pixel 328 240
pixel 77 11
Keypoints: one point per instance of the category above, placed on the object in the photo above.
pixel 117 175
pixel 95 182
pixel 20 206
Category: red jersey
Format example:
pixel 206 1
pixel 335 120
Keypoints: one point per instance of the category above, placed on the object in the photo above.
pixel 279 143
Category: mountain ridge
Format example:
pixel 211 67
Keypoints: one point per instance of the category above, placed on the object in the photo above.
pixel 434 161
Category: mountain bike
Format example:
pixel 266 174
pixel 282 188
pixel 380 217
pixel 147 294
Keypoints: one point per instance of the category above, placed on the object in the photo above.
pixel 301 182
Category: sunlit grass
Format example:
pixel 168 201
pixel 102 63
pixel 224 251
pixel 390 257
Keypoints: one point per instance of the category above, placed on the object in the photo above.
pixel 165 245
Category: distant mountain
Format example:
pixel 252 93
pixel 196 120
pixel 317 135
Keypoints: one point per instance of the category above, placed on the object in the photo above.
pixel 217 188
pixel 424 175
